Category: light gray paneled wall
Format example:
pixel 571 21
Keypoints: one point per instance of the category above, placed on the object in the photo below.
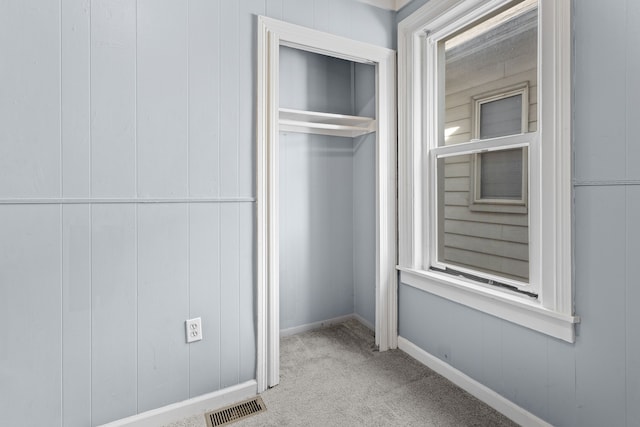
pixel 327 185
pixel 595 381
pixel 310 81
pixel 132 100
pixel 316 228
pixel 364 198
pixel 316 194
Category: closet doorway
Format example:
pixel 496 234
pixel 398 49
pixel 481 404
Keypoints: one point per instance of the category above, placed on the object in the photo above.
pixel 275 37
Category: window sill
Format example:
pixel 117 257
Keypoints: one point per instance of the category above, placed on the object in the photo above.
pixel 513 308
pixel 498 207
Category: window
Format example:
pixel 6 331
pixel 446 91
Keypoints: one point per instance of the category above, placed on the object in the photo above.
pixel 484 157
pixel 500 179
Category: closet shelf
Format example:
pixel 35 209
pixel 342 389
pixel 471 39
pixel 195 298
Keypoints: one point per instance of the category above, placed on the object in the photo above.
pixel 325 123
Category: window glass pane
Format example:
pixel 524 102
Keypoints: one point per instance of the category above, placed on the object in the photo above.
pixel 492 242
pixel 494 53
pixel 501 174
pixel 501 117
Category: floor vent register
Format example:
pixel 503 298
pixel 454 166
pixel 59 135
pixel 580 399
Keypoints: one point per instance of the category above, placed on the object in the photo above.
pixel 235 412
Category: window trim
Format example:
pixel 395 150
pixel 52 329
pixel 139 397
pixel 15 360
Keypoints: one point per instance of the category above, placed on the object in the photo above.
pixel 550 167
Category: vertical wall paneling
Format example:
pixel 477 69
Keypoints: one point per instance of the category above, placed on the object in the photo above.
pixel 162 98
pixel 524 368
pixel 30 363
pixel 315 82
pixel 371 24
pixel 114 338
pixel 364 197
pixel 321 15
pixel 136 99
pixel 596 57
pixel 426 335
pixel 230 99
pixel 76 315
pixel 340 16
pixel 561 377
pixel 30 99
pixel 491 354
pixel 274 8
pixel 364 236
pixel 334 157
pixel 163 305
pixel 204 296
pixel 299 12
pixel 204 97
pixel 294 228
pixel 632 107
pixel 75 98
pixel 632 296
pixel 247 39
pixel 246 280
pixel 229 294
pixel 113 98
pixel 466 338
pixel 600 297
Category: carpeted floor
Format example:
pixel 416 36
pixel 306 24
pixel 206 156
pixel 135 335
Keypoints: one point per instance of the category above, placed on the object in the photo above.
pixel 335 377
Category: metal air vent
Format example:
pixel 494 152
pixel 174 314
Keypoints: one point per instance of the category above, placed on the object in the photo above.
pixel 235 412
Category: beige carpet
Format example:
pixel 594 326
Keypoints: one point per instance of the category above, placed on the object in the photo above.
pixel 335 377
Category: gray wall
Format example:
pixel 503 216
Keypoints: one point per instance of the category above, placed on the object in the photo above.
pixel 364 199
pixel 595 381
pixel 327 185
pixel 131 100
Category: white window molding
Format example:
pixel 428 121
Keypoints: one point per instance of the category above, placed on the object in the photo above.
pixel 550 192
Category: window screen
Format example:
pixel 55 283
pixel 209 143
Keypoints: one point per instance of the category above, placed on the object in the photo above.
pixel 501 174
pixel 501 117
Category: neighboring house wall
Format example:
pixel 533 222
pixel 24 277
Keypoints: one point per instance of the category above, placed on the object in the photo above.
pixel 132 100
pixel 491 241
pixel 595 381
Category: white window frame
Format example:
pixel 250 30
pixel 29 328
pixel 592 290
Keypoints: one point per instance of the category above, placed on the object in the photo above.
pixel 476 201
pixel 550 191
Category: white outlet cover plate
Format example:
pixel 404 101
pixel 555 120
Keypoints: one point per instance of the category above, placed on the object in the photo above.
pixel 193 329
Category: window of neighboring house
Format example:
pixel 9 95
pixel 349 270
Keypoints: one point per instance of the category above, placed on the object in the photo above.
pixel 485 197
pixel 500 179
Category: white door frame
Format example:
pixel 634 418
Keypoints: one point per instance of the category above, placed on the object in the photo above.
pixel 271 35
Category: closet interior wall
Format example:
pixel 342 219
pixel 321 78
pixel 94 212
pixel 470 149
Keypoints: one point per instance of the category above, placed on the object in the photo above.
pixel 327 188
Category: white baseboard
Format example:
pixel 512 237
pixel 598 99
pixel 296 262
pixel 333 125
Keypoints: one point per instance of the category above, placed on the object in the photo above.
pixel 325 323
pixel 364 321
pixel 188 408
pixel 315 325
pixel 496 401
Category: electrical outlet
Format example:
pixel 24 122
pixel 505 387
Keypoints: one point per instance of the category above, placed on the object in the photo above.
pixel 193 329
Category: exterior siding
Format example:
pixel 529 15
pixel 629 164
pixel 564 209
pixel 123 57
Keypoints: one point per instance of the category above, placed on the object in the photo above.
pixel 490 241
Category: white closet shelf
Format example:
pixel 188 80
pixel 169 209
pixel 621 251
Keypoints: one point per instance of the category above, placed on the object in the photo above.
pixel 325 123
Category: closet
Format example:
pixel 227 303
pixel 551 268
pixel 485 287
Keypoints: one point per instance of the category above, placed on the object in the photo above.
pixel 325 187
pixel 326 190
